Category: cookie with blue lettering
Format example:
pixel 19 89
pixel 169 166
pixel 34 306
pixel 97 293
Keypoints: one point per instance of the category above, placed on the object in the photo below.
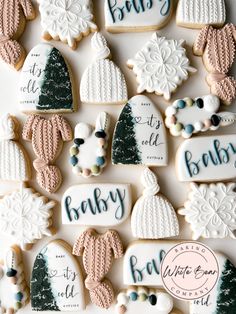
pixel 136 15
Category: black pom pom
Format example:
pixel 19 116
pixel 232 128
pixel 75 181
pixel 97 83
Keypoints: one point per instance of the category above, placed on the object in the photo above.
pixel 215 120
pixel 152 299
pixel 11 272
pixel 78 141
pixel 200 103
pixel 100 134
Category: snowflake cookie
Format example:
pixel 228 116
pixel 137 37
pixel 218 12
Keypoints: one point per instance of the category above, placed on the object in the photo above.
pixel 66 20
pixel 211 210
pixel 26 215
pixel 161 66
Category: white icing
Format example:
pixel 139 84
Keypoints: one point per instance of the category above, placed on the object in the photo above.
pixel 136 15
pixel 7 128
pixel 25 215
pixel 67 20
pixel 161 66
pixel 103 204
pixel 209 158
pixel 99 45
pixel 153 216
pixel 198 13
pixel 211 210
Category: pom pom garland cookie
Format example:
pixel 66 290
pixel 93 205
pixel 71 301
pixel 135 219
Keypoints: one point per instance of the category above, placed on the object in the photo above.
pixel 45 83
pixel 66 20
pixel 13 16
pixel 88 154
pixel 102 82
pixel 161 66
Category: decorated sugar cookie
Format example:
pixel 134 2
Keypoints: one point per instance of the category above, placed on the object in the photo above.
pixel 88 154
pixel 207 158
pixel 56 280
pixel 67 20
pixel 102 82
pixel 47 136
pixel 153 216
pixel 140 135
pixel 26 216
pixel 161 66
pixel 218 50
pixel 14 292
pixel 13 17
pixel 187 116
pixel 198 13
pixel 98 204
pixel 45 83
pixel 211 210
pixel 134 16
pixel 98 251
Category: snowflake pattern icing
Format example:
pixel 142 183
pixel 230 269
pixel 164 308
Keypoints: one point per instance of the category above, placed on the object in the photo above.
pixel 161 66
pixel 67 19
pixel 25 215
pixel 211 210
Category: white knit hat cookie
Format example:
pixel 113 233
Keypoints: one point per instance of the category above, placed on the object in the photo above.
pixel 153 216
pixel 103 82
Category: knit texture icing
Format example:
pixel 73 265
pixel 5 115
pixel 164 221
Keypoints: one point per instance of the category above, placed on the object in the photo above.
pixel 98 252
pixel 153 216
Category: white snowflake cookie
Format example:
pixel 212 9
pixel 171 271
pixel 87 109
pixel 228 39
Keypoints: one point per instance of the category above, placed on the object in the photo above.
pixel 66 20
pixel 211 210
pixel 161 66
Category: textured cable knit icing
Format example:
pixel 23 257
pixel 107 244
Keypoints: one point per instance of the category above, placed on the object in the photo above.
pixel 13 14
pixel 47 136
pixel 218 47
pixel 14 162
pixel 153 216
pixel 98 251
pixel 102 81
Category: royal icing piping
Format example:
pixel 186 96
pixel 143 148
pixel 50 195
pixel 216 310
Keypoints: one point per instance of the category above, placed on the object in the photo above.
pixel 102 81
pixel 56 280
pixel 140 135
pixel 45 83
pixel 153 216
pixel 26 216
pixel 96 204
pixel 98 251
pixel 88 154
pixel 47 136
pixel 67 20
pixel 161 66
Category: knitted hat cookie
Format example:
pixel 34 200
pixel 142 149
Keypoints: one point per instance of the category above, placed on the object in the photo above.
pixel 67 20
pixel 102 82
pixel 13 17
pixel 88 154
pixel 56 280
pixel 161 66
pixel 198 13
pixel 153 216
pixel 45 82
pixel 140 135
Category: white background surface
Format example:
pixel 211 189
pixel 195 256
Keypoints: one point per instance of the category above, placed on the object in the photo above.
pixel 123 46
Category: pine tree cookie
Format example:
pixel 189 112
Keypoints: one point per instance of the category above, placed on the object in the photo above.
pixel 56 280
pixel 102 82
pixel 46 84
pixel 136 15
pixel 67 20
pixel 153 216
pixel 161 66
pixel 13 17
pixel 140 135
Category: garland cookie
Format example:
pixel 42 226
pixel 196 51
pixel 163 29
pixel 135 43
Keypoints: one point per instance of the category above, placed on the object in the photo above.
pixel 135 16
pixel 56 280
pixel 98 251
pixel 47 136
pixel 13 17
pixel 67 20
pixel 88 154
pixel 45 83
pixel 103 82
pixel 161 66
